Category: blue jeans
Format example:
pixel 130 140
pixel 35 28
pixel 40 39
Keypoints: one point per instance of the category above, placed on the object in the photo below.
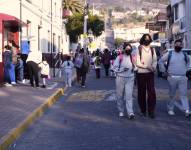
pixel 10 73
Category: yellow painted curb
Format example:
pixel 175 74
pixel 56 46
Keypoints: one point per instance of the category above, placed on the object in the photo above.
pixel 8 139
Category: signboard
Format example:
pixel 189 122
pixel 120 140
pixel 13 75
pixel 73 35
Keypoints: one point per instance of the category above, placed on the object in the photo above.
pixel 1 50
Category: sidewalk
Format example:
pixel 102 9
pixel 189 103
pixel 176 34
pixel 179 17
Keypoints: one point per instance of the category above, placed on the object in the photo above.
pixel 21 105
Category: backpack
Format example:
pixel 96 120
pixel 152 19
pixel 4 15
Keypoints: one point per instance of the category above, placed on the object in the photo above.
pixel 169 57
pixel 140 52
pixel 97 61
pixel 78 61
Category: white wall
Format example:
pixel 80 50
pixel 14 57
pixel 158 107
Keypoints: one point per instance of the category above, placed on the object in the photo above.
pixel 38 13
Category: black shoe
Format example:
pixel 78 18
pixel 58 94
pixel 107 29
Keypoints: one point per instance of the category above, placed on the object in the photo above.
pixel 43 86
pixel 131 117
pixel 143 114
pixel 152 115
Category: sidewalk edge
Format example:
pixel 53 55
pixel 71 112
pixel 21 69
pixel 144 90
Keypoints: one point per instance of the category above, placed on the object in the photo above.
pixel 8 139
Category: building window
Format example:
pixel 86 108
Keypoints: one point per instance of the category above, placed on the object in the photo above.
pixel 176 12
pixel 30 1
pixel 59 43
pixel 55 9
pixel 39 38
pixel 28 29
pixel 48 42
pixel 54 42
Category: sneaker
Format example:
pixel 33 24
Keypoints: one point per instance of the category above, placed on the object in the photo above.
pixel 43 86
pixel 13 83
pixel 143 114
pixel 187 113
pixel 83 86
pixel 121 114
pixel 152 115
pixel 131 116
pixel 8 85
pixel 171 113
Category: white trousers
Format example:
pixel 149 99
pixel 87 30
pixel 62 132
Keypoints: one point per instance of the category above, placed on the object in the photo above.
pixel 124 89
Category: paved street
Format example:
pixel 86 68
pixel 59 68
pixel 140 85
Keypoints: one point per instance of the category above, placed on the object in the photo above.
pixel 87 119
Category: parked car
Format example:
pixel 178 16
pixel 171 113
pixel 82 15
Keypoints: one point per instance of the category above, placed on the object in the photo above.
pixel 162 72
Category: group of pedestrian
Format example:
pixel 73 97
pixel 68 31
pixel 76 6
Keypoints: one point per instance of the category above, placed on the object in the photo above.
pixel 14 67
pixel 144 64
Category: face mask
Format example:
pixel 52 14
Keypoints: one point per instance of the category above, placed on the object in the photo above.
pixel 146 42
pixel 178 48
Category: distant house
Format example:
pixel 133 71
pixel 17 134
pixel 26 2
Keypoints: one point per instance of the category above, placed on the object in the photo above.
pixel 180 21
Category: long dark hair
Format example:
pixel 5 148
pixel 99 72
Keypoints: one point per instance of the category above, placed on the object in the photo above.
pixel 125 44
pixel 68 60
pixel 142 40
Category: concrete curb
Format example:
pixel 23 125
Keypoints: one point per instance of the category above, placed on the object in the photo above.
pixel 8 139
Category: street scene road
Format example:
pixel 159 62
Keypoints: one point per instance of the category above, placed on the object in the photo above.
pixel 87 119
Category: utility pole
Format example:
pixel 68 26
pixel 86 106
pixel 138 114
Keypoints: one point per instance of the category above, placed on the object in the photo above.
pixel 86 10
pixel 51 45
pixel 21 25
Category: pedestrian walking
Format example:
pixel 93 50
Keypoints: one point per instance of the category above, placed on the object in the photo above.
pixel 146 62
pixel 34 58
pixel 97 64
pixel 124 68
pixel 67 67
pixel 82 67
pixel 106 58
pixel 177 65
pixel 45 71
pixel 9 67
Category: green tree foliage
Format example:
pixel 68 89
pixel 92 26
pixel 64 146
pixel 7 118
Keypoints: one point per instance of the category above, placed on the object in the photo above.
pixel 75 6
pixel 75 26
pixel 96 25
pixel 118 42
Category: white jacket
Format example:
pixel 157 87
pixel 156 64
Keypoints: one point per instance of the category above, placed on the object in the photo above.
pixel 66 67
pixel 35 56
pixel 44 68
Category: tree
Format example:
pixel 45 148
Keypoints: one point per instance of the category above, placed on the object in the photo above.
pixel 75 6
pixel 74 26
pixel 118 42
pixel 96 25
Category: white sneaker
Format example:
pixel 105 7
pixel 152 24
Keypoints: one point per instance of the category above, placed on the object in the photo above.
pixel 23 81
pixel 171 113
pixel 187 113
pixel 8 85
pixel 121 114
pixel 131 116
pixel 13 83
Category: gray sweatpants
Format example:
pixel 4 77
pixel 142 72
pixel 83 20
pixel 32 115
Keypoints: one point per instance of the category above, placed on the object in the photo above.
pixel 124 89
pixel 180 83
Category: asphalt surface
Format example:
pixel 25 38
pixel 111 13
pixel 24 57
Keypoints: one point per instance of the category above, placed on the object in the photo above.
pixel 87 119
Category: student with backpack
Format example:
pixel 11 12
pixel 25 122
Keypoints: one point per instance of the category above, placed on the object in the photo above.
pixel 176 67
pixel 68 70
pixel 124 68
pixel 97 64
pixel 106 58
pixel 82 66
pixel 146 62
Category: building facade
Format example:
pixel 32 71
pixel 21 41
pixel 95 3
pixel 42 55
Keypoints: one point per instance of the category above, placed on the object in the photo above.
pixel 38 23
pixel 181 24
